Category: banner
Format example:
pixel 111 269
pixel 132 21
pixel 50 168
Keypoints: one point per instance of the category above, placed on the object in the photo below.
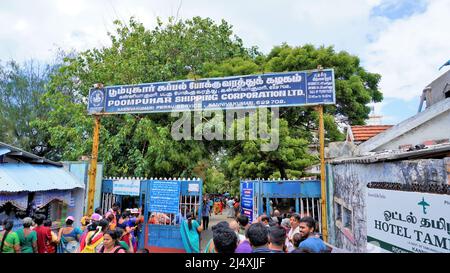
pixel 247 200
pixel 237 92
pixel 400 221
pixel 164 196
pixel 127 187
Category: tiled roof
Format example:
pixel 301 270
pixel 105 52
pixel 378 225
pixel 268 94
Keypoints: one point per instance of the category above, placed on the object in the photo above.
pixel 365 132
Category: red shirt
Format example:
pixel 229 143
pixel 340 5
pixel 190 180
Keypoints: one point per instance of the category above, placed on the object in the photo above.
pixel 44 236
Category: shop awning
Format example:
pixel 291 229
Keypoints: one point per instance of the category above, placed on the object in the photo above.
pixel 19 200
pixel 16 177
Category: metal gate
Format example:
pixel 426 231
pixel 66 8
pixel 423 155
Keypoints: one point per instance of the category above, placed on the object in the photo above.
pixel 305 193
pixel 108 198
pixel 162 226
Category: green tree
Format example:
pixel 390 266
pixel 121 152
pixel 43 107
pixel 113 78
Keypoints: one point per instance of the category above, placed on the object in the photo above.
pixel 21 88
pixel 141 145
pixel 355 88
pixel 137 145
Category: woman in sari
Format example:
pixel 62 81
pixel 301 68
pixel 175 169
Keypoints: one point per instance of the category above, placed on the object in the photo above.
pixel 216 207
pixel 10 242
pixel 94 239
pixel 69 237
pixel 190 234
pixel 27 237
pixel 222 205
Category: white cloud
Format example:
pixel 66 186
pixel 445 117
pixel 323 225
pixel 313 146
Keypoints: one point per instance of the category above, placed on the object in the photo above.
pixel 72 8
pixel 21 25
pixel 265 23
pixel 406 52
pixel 409 51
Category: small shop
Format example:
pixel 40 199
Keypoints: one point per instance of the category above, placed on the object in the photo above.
pixel 32 185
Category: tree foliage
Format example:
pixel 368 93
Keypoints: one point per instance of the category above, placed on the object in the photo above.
pixel 138 145
pixel 141 145
pixel 21 88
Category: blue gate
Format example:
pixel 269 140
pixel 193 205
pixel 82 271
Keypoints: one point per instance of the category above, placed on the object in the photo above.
pixel 256 197
pixel 115 190
pixel 166 202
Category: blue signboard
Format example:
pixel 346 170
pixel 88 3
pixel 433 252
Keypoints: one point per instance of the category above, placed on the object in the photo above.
pixel 164 196
pixel 247 200
pixel 237 92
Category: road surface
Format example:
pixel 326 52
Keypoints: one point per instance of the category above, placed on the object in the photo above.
pixel 207 234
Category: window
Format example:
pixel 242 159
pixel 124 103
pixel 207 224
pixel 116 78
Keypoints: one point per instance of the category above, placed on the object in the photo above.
pixel 347 219
pixel 447 91
pixel 338 212
pixel 343 216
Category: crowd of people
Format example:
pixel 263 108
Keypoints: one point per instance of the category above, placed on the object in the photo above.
pixel 293 234
pixel 118 232
pixel 113 232
pixel 289 233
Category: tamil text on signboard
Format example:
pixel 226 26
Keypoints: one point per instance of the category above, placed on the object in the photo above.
pixel 419 223
pixel 247 200
pixel 129 187
pixel 164 196
pixel 237 92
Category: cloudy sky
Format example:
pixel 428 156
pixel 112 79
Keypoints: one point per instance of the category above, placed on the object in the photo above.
pixel 406 41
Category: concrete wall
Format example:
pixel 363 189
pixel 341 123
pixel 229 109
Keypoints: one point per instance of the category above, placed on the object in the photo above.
pixel 437 88
pixel 81 171
pixel 432 130
pixel 349 187
pixel 77 210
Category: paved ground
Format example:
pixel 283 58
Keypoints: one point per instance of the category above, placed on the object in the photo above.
pixel 207 234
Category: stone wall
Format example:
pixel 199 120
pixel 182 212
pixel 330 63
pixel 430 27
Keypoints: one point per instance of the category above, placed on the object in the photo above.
pixel 349 188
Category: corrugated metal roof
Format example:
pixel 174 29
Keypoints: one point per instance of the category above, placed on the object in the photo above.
pixel 16 177
pixel 394 155
pixel 4 150
pixel 26 156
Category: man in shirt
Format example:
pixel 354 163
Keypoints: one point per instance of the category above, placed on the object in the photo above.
pixel 294 223
pixel 244 245
pixel 230 208
pixel 205 214
pixel 225 240
pixel 277 217
pixel 44 234
pixel 258 237
pixel 243 224
pixel 277 239
pixel 211 204
pixel 265 220
pixel 234 225
pixel 310 241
